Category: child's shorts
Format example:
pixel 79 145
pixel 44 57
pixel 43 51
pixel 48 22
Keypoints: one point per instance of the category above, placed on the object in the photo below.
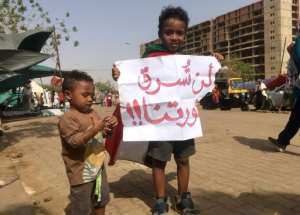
pixel 162 150
pixel 83 200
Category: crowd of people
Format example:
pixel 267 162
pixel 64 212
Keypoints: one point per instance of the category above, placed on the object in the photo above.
pixel 110 99
pixel 37 100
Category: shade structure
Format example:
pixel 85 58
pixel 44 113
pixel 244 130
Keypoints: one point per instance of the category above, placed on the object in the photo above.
pixel 14 60
pixel 22 50
pixel 32 40
pixel 4 96
pixel 11 80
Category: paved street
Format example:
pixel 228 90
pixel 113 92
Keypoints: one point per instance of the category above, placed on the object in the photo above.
pixel 235 171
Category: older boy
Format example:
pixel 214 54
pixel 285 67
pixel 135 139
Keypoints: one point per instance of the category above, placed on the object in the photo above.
pixel 173 24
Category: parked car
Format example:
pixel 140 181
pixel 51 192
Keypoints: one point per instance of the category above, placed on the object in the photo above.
pixel 279 98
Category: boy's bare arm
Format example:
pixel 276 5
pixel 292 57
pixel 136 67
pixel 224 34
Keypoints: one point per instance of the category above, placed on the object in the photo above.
pixel 73 137
pixel 97 126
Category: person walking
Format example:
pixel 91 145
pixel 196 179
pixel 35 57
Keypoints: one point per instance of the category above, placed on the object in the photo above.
pixel 292 126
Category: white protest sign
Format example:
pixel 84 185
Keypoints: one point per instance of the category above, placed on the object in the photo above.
pixel 158 96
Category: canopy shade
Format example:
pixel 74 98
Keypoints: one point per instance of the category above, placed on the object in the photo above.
pixel 32 40
pixel 22 50
pixel 12 80
pixel 4 96
pixel 14 60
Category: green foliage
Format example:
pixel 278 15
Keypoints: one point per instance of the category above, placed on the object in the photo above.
pixel 105 87
pixel 74 28
pixel 22 15
pixel 50 87
pixel 240 69
pixel 76 43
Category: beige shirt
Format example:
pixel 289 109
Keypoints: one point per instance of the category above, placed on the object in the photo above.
pixel 83 160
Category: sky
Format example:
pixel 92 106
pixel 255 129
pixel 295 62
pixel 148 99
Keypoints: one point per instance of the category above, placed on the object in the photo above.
pixel 113 30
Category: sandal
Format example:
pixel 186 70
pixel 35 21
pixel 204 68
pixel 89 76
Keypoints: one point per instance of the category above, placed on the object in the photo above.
pixel 161 207
pixel 184 204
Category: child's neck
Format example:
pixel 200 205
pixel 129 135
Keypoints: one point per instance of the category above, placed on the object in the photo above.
pixel 171 52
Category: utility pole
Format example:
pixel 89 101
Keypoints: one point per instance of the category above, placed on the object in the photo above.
pixel 283 51
pixel 228 44
pixel 55 45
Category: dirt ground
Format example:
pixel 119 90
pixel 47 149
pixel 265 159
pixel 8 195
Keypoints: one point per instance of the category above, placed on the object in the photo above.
pixel 235 170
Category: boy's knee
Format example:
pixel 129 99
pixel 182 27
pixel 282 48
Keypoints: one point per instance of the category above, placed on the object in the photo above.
pixel 182 161
pixel 158 164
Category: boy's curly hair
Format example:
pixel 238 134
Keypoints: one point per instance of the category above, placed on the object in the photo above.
pixel 73 76
pixel 172 12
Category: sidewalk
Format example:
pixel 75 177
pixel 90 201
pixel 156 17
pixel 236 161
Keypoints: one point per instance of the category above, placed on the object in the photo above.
pixel 235 171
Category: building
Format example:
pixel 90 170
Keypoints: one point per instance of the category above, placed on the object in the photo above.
pixel 257 34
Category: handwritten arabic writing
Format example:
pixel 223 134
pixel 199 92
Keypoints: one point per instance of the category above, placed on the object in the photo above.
pixel 152 86
pixel 158 96
pixel 182 118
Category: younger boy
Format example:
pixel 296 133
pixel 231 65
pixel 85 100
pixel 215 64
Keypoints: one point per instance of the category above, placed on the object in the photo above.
pixel 172 28
pixel 82 146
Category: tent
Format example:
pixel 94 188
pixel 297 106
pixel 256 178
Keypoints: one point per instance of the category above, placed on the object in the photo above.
pixel 36 88
pixel 16 79
pixel 19 55
pixel 22 50
pixel 4 96
pixel 14 60
pixel 32 40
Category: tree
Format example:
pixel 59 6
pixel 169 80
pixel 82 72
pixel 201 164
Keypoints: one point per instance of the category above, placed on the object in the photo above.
pixel 50 87
pixel 20 15
pixel 105 87
pixel 238 68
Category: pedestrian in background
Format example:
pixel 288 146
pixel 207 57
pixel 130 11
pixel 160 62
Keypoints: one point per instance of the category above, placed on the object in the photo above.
pixel 292 126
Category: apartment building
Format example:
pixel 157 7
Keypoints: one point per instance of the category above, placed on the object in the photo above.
pixel 257 34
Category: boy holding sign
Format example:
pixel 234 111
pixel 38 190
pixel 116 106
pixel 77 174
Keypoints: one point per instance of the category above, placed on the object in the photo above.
pixel 173 23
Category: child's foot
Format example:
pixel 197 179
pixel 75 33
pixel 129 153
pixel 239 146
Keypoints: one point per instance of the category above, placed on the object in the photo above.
pixel 161 207
pixel 184 204
pixel 278 146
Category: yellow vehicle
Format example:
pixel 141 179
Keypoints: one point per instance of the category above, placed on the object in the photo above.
pixel 235 87
pixel 233 94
